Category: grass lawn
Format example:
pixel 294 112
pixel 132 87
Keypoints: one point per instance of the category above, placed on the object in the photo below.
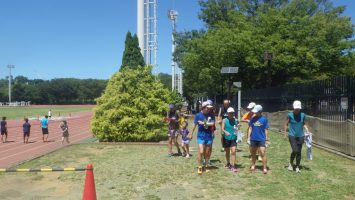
pixel 145 172
pixel 20 112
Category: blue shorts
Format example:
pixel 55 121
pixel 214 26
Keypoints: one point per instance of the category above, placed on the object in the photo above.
pixel 204 141
pixel 257 144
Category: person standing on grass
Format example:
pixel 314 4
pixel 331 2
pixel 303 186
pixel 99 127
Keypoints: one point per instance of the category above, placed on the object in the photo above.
pixel 204 120
pixel 229 128
pixel 185 139
pixel 65 131
pixel 213 129
pixel 258 137
pixel 3 127
pixel 50 114
pixel 294 129
pixel 222 114
pixel 44 126
pixel 26 131
pixel 173 119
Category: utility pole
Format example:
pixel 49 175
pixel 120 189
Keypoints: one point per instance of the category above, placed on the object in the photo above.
pixel 10 79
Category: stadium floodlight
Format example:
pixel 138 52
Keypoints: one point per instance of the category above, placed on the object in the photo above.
pixel 10 79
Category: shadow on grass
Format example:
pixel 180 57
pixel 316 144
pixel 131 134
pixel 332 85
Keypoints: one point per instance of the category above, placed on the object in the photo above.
pixel 9 141
pixel 301 167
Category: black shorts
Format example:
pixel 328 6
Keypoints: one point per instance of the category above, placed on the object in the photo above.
pixel 229 143
pixel 44 131
pixel 3 132
pixel 256 144
pixel 27 134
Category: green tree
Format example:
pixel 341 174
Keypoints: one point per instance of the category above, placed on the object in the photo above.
pixel 310 40
pixel 132 107
pixel 132 56
pixel 165 79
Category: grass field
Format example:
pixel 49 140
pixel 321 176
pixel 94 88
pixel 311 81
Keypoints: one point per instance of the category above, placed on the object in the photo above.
pixel 145 172
pixel 35 111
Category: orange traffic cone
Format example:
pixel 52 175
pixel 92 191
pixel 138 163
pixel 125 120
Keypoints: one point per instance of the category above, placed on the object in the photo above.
pixel 89 188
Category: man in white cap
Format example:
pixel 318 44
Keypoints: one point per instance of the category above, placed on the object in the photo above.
pixel 204 121
pixel 248 115
pixel 295 124
pixel 258 137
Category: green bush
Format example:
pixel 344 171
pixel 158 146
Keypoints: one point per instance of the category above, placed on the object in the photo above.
pixel 132 107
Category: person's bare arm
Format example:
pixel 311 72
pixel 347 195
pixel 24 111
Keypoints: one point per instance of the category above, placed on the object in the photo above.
pixel 249 133
pixel 223 130
pixel 267 136
pixel 286 127
pixel 219 118
pixel 191 134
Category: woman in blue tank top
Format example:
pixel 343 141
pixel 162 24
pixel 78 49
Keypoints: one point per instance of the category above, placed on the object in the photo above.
pixel 295 124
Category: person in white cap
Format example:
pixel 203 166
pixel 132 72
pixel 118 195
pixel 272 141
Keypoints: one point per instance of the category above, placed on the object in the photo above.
pixel 258 137
pixel 204 121
pixel 294 129
pixel 229 128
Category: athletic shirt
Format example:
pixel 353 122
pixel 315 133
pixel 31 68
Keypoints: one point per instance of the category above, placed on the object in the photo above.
pixel 224 112
pixel 229 127
pixel 258 126
pixel 44 123
pixel 26 127
pixel 64 128
pixel 296 123
pixel 3 125
pixel 203 133
pixel 173 124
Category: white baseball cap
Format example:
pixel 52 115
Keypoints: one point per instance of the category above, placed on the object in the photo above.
pixel 297 105
pixel 257 108
pixel 230 110
pixel 204 104
pixel 251 105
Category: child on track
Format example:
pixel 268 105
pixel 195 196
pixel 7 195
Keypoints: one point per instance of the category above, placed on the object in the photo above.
pixel 26 131
pixel 3 127
pixel 65 131
pixel 185 139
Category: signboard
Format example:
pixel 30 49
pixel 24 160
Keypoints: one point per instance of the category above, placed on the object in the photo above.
pixel 229 70
pixel 237 84
pixel 344 103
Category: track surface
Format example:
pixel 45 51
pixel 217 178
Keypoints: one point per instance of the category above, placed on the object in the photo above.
pixel 15 151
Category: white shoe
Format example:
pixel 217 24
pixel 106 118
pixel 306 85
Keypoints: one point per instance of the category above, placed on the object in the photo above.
pixel 187 156
pixel 290 167
pixel 298 170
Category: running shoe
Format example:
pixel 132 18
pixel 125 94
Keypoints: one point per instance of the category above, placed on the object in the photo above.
pixel 252 168
pixel 290 167
pixel 233 169
pixel 259 158
pixel 199 170
pixel 227 166
pixel 206 169
pixel 265 171
pixel 187 156
pixel 222 150
pixel 298 170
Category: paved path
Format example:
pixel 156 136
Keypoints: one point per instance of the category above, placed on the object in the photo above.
pixel 15 151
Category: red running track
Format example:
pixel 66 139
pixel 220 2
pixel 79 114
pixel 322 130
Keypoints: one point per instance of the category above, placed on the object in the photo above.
pixel 15 151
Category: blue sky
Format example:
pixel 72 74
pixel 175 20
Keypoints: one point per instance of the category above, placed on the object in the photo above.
pixel 84 38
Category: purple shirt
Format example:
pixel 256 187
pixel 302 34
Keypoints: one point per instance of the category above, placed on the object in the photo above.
pixel 184 134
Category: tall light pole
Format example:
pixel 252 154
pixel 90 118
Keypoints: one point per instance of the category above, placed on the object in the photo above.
pixel 10 78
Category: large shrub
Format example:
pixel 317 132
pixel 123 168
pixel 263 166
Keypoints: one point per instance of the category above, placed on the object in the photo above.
pixel 132 107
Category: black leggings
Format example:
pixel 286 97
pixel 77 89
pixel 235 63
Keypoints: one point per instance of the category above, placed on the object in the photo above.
pixel 296 145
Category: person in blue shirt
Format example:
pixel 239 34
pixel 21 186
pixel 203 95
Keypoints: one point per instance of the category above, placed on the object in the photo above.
pixel 26 131
pixel 204 120
pixel 258 137
pixel 44 126
pixel 295 123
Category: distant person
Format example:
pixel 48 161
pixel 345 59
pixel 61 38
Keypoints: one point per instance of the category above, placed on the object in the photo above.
pixel 294 129
pixel 229 128
pixel 44 126
pixel 26 131
pixel 222 114
pixel 258 137
pixel 173 120
pixel 50 114
pixel 185 139
pixel 65 131
pixel 3 127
